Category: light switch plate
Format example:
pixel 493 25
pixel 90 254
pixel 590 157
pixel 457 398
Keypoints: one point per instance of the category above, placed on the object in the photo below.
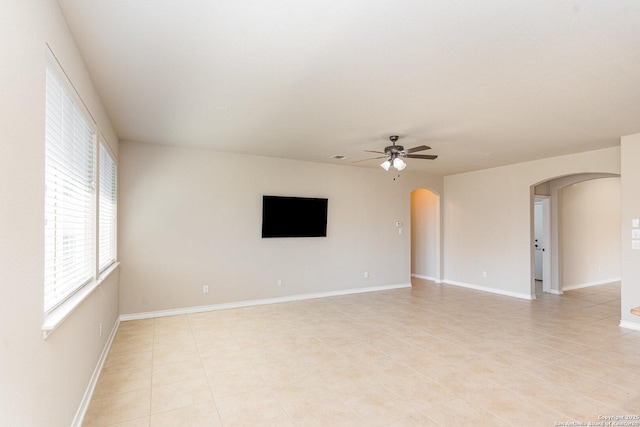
pixel 635 223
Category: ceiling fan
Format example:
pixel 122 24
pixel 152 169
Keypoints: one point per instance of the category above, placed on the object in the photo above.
pixel 394 154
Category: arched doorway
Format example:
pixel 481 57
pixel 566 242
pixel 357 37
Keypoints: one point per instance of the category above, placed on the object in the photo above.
pixel 425 235
pixel 572 261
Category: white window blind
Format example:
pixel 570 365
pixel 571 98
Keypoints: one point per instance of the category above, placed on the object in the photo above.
pixel 107 209
pixel 69 195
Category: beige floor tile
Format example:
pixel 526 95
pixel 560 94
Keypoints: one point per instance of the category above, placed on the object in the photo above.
pixel 254 408
pixel 308 389
pixel 276 374
pixel 136 324
pixel 140 422
pixel 202 322
pixel 421 392
pixel 170 354
pixel 328 362
pixel 131 344
pixel 321 412
pixel 348 381
pixel 122 382
pixel 403 357
pixel 459 412
pixel 415 420
pixel 622 379
pixel 462 378
pixel 578 406
pixel 226 361
pixel 205 335
pixel 239 381
pixel 127 362
pixel 557 343
pixel 217 347
pixel 178 394
pixel 625 400
pixel 131 336
pixel 379 406
pixel 128 330
pixel 203 414
pixel 266 353
pixel 178 321
pixel 177 371
pixel 118 408
pixel 527 384
pixel 516 409
pixel 175 339
pixel 568 379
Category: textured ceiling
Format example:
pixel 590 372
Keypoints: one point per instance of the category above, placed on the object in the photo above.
pixel 484 83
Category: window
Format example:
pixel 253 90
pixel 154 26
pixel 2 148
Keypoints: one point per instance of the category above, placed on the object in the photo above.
pixel 76 209
pixel 107 209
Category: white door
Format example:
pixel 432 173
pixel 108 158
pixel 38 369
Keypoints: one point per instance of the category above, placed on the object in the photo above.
pixel 540 244
pixel 538 239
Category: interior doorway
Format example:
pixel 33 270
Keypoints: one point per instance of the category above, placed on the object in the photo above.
pixel 542 238
pixel 425 235
pixel 575 242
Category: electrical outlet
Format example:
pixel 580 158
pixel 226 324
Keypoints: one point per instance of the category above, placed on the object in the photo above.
pixel 100 329
pixel 366 274
pixel 205 289
pixel 279 282
pixel 484 274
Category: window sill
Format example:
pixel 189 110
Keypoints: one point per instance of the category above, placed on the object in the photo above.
pixel 56 317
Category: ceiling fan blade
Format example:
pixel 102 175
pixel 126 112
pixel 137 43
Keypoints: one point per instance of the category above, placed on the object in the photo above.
pixel 418 148
pixel 422 156
pixel 373 158
pixel 377 152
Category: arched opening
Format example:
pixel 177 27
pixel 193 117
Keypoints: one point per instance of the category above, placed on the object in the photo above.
pixel 425 235
pixel 575 238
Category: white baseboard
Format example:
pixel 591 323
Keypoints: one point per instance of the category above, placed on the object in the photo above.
pixel 423 277
pixel 629 325
pixel 589 284
pixel 491 290
pixel 250 303
pixel 86 399
pixel 554 291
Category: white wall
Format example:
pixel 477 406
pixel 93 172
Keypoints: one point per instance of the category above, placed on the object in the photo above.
pixel 191 217
pixel 630 183
pixel 43 381
pixel 590 232
pixel 425 219
pixel 488 219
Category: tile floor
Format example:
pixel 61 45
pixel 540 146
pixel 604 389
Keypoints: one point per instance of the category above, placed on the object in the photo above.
pixel 431 355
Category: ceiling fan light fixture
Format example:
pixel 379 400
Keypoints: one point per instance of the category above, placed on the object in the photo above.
pixel 393 154
pixel 399 164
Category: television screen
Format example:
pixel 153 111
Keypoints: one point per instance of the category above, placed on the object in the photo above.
pixel 294 217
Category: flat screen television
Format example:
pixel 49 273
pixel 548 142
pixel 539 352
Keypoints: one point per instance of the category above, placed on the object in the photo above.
pixel 294 217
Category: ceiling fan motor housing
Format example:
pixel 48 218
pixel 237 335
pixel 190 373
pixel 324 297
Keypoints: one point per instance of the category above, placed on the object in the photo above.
pixel 393 150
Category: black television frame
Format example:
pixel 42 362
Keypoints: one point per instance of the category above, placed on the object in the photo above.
pixel 281 216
